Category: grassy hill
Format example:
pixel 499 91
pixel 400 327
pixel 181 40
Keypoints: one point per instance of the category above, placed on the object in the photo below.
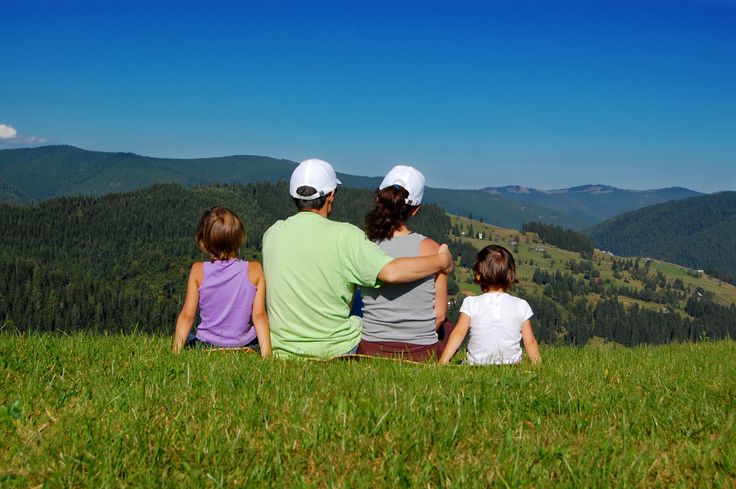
pixel 99 411
pixel 698 232
pixel 591 203
pixel 532 254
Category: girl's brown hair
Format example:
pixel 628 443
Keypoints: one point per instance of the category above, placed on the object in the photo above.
pixel 494 268
pixel 390 213
pixel 220 232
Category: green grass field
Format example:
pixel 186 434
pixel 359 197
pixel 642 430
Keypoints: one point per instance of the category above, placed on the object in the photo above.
pixel 91 411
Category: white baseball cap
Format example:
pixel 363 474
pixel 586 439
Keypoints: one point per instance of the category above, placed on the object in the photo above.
pixel 313 173
pixel 406 177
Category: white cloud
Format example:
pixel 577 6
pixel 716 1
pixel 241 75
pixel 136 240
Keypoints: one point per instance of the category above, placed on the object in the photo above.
pixel 7 132
pixel 35 140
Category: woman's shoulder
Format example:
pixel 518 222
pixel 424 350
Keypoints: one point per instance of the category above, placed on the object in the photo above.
pixel 428 246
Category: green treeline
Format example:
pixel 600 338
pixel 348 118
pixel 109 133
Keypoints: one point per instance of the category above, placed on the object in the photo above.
pixel 570 318
pixel 580 320
pixel 698 232
pixel 120 262
pixel 567 239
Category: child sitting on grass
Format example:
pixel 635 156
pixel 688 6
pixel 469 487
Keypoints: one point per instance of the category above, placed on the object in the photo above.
pixel 497 321
pixel 230 292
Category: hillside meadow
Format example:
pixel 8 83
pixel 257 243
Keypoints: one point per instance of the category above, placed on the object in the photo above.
pixel 90 411
pixel 532 253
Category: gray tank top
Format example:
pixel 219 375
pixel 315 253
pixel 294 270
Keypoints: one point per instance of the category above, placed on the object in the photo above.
pixel 400 312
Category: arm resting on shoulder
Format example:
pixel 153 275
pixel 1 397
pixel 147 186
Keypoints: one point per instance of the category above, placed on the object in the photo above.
pixel 530 342
pixel 189 309
pixel 403 270
pixel 456 338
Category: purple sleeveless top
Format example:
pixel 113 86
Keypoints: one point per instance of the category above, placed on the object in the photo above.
pixel 225 304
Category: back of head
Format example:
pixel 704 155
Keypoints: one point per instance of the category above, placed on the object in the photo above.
pixel 220 232
pixel 494 268
pixel 409 178
pixel 311 182
pixel 399 194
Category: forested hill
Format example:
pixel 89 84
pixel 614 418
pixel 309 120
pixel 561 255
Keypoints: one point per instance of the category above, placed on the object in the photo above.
pixel 36 174
pixel 592 203
pixel 120 262
pixel 699 232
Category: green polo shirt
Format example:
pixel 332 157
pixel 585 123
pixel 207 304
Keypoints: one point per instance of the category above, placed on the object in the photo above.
pixel 311 266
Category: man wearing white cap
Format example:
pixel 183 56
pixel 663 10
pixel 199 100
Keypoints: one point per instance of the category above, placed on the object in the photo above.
pixel 312 266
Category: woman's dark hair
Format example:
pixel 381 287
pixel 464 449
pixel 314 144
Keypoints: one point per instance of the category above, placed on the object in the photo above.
pixel 390 212
pixel 494 268
pixel 220 232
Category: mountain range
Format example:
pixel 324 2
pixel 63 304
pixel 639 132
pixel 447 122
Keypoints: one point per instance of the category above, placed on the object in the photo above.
pixel 592 203
pixel 36 174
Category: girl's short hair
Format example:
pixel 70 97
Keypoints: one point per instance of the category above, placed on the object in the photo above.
pixel 494 268
pixel 220 232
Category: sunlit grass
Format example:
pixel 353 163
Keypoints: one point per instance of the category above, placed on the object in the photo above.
pixel 93 411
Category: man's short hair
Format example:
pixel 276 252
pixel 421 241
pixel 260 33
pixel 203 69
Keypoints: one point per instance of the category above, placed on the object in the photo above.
pixel 308 205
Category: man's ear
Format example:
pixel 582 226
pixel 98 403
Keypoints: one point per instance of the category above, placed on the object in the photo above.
pixel 329 202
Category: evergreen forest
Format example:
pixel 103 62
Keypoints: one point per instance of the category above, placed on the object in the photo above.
pixel 119 263
pixel 567 239
pixel 698 232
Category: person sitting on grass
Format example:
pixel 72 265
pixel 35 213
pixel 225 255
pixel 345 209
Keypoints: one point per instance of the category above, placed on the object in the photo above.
pixel 313 264
pixel 230 292
pixel 497 321
pixel 403 320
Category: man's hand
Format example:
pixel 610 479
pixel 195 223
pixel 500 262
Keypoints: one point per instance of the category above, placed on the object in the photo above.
pixel 444 250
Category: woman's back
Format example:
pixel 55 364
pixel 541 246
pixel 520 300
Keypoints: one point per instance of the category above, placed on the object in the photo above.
pixel 401 312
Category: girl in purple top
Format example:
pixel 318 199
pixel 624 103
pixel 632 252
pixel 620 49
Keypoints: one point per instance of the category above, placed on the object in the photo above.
pixel 229 292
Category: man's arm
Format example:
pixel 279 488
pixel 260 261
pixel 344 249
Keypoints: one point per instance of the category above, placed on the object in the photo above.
pixel 403 270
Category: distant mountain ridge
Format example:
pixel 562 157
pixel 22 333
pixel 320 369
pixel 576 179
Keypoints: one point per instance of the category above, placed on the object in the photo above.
pixel 36 174
pixel 592 203
pixel 698 232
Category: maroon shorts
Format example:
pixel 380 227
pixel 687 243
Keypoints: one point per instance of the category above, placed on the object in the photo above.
pixel 408 351
pixel 405 351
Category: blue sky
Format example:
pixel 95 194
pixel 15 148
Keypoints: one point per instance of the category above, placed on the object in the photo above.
pixel 544 94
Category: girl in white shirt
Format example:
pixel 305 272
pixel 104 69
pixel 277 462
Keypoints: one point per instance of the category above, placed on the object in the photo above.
pixel 497 321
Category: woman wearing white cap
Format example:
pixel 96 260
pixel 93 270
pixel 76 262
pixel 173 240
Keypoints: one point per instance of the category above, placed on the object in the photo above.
pixel 402 319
